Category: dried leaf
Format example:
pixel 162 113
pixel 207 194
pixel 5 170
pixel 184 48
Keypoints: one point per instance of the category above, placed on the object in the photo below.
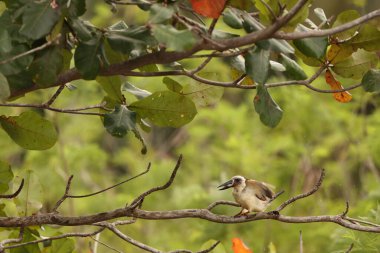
pixel 208 8
pixel 343 96
pixel 238 246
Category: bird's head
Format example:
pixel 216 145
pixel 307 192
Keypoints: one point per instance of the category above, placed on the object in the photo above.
pixel 233 182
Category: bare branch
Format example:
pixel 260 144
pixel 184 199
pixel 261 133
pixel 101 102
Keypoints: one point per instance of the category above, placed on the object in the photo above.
pixel 303 195
pixel 13 195
pixel 350 248
pixel 12 240
pixel 64 197
pixel 222 202
pixel 105 245
pixel 136 202
pixel 54 97
pixel 346 210
pixel 202 251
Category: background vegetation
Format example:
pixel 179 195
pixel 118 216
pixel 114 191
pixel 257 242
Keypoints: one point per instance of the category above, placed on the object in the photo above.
pixel 223 140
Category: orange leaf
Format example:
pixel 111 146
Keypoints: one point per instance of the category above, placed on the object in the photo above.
pixel 208 8
pixel 343 96
pixel 238 246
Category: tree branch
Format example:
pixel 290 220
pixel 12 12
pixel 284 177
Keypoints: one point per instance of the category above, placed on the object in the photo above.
pixel 13 195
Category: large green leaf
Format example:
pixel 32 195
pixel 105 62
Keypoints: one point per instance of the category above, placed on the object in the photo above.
pixel 356 65
pixel 368 38
pixel 293 70
pixel 30 130
pixel 166 108
pixel 270 113
pixel 77 7
pixel 371 80
pixel 257 65
pixel 173 39
pixel 172 84
pixel 4 88
pixel 137 92
pixel 312 47
pixel 343 18
pixel 127 39
pixel 6 175
pixel 46 67
pixel 17 66
pixel 30 199
pixel 232 19
pixel 5 41
pixel 112 86
pixel 88 58
pixel 38 19
pixel 29 235
pixel 120 121
pixel 202 94
pixel 65 245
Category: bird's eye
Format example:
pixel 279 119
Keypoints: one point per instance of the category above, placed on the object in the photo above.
pixel 237 180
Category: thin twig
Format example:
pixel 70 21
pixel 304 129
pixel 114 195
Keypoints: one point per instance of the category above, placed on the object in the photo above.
pixel 12 240
pixel 346 210
pixel 64 197
pixel 55 238
pixel 362 221
pixel 303 195
pixel 36 49
pixel 212 247
pixel 137 200
pixel 202 65
pixel 106 245
pixel 350 248
pixel 13 195
pixel 222 202
pixel 276 195
pixel 301 242
pixel 111 187
pixel 54 97
pixel 274 16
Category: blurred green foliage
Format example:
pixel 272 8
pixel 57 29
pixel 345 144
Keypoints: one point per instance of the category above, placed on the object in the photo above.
pixel 223 140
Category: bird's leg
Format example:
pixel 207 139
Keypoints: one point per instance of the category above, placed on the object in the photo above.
pixel 242 212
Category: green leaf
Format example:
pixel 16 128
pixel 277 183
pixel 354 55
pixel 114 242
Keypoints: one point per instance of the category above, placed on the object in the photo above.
pixel 270 113
pixel 65 245
pixel 257 65
pixel 46 66
pixel 345 17
pixel 29 235
pixel 173 39
pixel 368 38
pixel 112 86
pixel 166 108
pixel 231 19
pixel 15 66
pixel 172 84
pixel 88 59
pixel 30 130
pixel 77 8
pixel 293 70
pixel 137 92
pixel 6 176
pixel 83 29
pixel 356 65
pixel 120 121
pixel 371 81
pixel 5 41
pixel 276 66
pixel 38 19
pixel 127 39
pixel 312 47
pixel 202 94
pixel 30 199
pixel 4 88
pixel 320 13
pixel 160 14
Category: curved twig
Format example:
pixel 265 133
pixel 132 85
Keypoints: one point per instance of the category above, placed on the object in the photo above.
pixel 13 195
pixel 303 195
pixel 350 248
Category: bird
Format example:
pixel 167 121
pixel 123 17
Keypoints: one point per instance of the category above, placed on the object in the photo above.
pixel 252 195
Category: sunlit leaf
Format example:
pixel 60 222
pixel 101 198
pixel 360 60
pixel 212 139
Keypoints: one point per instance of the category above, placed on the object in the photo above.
pixel 173 39
pixel 172 84
pixel 311 47
pixel 238 246
pixel 270 113
pixel 356 65
pixel 137 92
pixel 120 121
pixel 6 175
pixel 160 13
pixel 371 80
pixel 344 17
pixel 165 108
pixel 4 88
pixel 30 130
pixel 343 96
pixel 320 13
pixel 368 38
pixel 208 8
pixel 339 52
pixel 112 86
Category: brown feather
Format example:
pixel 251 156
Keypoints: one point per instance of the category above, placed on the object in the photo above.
pixel 263 190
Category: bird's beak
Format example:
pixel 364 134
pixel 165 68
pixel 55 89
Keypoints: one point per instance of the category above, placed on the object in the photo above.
pixel 226 185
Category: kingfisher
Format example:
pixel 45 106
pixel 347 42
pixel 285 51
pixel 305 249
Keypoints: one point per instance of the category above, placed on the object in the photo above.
pixel 252 195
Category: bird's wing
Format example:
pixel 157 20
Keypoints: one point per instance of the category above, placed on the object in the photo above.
pixel 262 190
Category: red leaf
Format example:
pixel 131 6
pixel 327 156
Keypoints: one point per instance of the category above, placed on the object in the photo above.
pixel 343 96
pixel 208 8
pixel 238 246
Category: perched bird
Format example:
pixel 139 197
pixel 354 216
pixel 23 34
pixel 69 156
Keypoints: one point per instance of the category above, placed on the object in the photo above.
pixel 252 195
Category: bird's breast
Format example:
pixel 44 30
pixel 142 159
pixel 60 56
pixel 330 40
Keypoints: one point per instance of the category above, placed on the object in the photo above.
pixel 248 200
